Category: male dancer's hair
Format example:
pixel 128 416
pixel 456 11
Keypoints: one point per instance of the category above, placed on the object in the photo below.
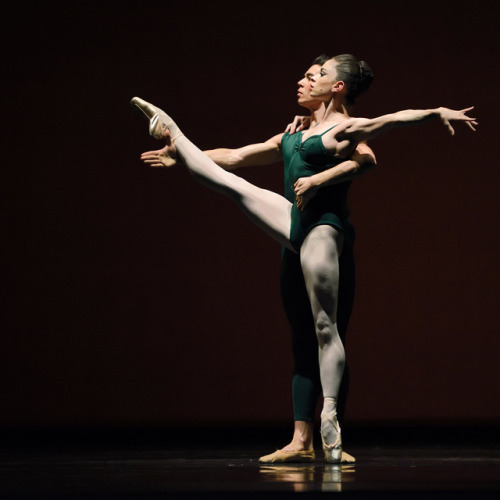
pixel 321 59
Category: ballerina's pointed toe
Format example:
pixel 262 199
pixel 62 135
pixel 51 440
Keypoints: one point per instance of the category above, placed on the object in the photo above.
pixel 158 119
pixel 333 452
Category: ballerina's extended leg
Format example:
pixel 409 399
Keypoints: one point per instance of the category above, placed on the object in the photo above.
pixel 268 210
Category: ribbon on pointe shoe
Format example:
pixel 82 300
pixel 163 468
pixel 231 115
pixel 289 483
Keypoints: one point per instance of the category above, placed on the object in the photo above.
pixel 333 452
pixel 159 121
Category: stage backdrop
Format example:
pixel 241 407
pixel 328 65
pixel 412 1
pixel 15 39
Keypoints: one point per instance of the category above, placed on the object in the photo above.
pixel 135 296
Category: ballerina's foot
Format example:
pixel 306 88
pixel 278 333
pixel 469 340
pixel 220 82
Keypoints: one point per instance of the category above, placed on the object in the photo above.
pixel 159 121
pixel 331 438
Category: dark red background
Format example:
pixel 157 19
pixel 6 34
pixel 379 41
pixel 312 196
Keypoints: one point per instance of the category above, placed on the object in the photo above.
pixel 135 296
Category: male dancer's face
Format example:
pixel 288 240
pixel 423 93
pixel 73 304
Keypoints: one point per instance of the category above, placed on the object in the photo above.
pixel 304 91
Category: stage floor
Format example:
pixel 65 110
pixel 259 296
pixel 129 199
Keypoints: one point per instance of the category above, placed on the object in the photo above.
pixel 135 465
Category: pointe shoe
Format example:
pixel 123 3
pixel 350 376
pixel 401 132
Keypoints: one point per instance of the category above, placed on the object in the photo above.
pixel 284 456
pixel 159 121
pixel 333 452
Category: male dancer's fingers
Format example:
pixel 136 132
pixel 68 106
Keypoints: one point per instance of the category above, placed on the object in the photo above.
pixel 149 161
pixel 154 163
pixel 149 154
pixel 291 127
pixel 301 205
pixel 299 123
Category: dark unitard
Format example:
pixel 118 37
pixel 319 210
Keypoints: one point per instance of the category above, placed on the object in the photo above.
pixel 329 206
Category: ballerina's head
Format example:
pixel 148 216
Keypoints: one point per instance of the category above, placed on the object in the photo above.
pixel 342 78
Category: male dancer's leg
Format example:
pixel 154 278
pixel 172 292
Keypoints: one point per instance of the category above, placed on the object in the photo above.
pixel 347 281
pixel 306 383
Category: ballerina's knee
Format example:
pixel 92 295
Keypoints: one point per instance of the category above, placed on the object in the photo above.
pixel 325 329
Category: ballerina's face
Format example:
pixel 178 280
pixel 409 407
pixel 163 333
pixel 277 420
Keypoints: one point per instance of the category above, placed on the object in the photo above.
pixel 324 83
pixel 304 87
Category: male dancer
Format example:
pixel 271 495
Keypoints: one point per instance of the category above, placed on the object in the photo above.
pixel 319 232
pixel 306 385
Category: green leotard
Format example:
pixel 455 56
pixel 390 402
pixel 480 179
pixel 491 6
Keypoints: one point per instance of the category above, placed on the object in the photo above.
pixel 329 205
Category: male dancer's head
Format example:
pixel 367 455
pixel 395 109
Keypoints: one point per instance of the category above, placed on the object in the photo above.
pixel 315 105
pixel 304 98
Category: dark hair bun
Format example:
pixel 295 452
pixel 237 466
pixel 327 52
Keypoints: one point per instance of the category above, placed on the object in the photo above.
pixel 357 75
pixel 365 76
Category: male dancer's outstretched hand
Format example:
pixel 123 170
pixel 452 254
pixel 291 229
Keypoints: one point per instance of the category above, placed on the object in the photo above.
pixel 165 157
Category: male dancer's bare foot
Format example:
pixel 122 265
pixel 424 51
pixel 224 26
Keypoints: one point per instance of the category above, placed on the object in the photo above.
pixel 347 459
pixel 300 449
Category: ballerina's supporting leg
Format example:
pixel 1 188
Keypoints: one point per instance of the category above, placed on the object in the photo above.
pixel 319 256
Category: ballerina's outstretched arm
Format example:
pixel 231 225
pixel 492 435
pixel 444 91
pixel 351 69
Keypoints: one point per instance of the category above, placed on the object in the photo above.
pixel 343 139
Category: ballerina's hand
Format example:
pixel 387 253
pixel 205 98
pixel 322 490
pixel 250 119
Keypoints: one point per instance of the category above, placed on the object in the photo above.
pixel 448 115
pixel 165 157
pixel 299 123
pixel 305 191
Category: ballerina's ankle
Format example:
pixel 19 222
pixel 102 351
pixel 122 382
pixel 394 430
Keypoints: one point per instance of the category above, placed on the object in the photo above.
pixel 177 135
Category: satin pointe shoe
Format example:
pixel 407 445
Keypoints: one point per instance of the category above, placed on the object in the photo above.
pixel 333 452
pixel 159 121
pixel 290 456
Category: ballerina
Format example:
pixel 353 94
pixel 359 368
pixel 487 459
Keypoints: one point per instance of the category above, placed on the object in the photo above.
pixel 320 244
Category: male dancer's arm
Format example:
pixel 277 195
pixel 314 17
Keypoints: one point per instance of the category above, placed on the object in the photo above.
pixel 267 153
pixel 264 153
pixel 361 161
